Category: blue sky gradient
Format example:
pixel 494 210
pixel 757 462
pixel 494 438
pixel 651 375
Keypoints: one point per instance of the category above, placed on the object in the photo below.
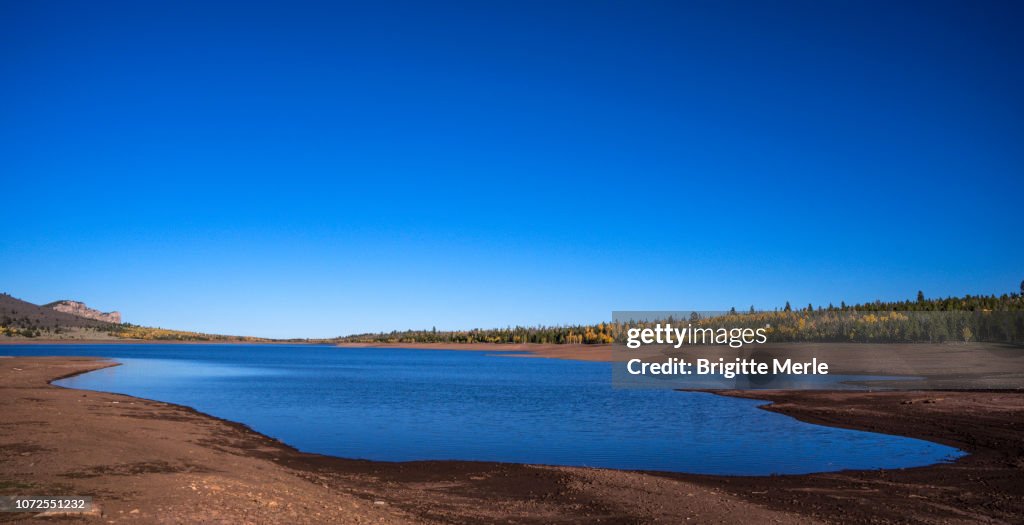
pixel 317 169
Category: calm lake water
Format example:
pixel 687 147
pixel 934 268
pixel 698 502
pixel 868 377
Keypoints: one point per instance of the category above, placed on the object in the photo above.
pixel 399 405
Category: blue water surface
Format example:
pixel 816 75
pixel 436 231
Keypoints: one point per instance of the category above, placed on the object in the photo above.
pixel 400 405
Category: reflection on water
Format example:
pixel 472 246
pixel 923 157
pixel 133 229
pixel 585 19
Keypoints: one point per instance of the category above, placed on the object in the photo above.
pixel 398 405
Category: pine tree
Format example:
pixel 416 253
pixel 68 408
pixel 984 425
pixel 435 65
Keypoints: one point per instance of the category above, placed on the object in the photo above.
pixel 920 295
pixel 788 308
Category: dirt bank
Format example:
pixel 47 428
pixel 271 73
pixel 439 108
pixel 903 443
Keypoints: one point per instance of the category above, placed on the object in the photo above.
pixel 987 486
pixel 147 461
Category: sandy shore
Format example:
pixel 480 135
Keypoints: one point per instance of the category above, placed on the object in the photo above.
pixel 147 461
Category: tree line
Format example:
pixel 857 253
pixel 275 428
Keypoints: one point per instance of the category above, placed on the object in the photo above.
pixel 968 318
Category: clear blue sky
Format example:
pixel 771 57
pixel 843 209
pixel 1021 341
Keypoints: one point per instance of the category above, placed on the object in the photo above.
pixel 316 169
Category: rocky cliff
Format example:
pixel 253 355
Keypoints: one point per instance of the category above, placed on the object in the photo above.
pixel 81 310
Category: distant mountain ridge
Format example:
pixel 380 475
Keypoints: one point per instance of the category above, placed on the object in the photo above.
pixel 81 310
pixel 73 320
pixel 23 317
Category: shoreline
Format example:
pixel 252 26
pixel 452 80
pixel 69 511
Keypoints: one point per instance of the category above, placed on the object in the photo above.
pixel 988 365
pixel 989 482
pixel 581 352
pixel 8 341
pixel 577 352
